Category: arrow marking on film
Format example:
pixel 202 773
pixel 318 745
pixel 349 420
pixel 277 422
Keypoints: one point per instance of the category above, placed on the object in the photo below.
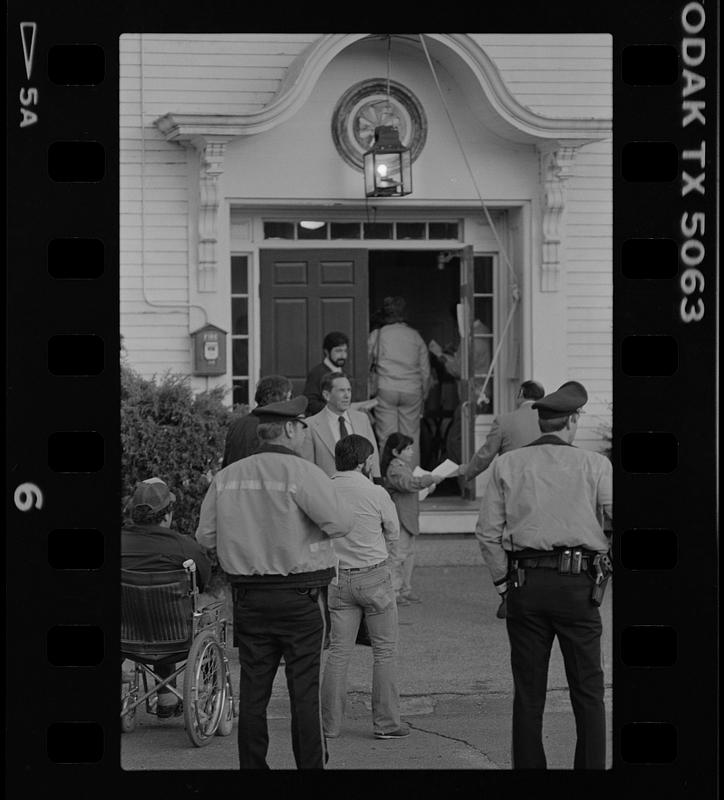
pixel 28 45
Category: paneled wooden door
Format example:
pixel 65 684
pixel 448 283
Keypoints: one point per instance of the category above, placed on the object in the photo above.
pixel 304 295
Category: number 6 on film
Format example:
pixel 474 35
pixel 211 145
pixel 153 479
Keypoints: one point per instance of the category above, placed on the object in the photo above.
pixel 28 496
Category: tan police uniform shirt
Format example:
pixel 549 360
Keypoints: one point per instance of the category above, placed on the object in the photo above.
pixel 544 496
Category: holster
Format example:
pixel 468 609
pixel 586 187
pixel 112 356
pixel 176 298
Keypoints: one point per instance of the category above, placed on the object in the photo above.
pixel 516 574
pixel 602 571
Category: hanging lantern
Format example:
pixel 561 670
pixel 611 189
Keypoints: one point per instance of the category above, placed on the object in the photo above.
pixel 387 165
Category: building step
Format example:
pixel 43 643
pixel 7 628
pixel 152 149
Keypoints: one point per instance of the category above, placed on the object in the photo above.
pixel 448 515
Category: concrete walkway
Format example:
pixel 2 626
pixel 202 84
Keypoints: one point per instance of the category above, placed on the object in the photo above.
pixel 455 685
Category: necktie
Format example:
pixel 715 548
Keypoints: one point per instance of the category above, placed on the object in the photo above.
pixel 342 428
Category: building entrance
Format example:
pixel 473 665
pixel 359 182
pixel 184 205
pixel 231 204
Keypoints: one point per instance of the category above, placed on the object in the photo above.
pixel 430 285
pixel 306 293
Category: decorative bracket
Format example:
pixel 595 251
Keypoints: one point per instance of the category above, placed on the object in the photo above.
pixel 211 166
pixel 557 161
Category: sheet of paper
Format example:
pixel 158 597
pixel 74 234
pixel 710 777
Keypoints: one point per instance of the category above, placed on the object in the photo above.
pixel 446 469
pixel 434 348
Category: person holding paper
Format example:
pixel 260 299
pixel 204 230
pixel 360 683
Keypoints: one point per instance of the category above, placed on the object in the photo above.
pixel 403 486
pixel 509 431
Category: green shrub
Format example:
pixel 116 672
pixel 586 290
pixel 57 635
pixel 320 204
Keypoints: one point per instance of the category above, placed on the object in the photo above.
pixel 169 432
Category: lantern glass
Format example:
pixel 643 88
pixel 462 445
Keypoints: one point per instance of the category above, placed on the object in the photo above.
pixel 387 166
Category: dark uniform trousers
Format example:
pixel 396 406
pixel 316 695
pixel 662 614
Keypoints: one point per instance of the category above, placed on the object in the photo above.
pixel 548 605
pixel 268 624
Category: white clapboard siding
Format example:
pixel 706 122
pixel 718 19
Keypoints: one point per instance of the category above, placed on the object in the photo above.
pixel 206 73
pixel 554 74
pixel 589 287
pixel 153 256
pixel 160 257
pixel 139 314
pixel 223 74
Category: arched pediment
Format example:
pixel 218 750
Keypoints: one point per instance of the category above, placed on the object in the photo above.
pixel 458 50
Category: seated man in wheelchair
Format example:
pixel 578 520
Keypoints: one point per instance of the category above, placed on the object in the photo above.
pixel 149 544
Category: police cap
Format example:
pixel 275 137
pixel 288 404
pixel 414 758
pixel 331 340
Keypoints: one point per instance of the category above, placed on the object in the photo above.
pixel 567 399
pixel 283 411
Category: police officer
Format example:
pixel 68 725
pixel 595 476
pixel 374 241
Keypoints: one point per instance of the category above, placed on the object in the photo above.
pixel 270 517
pixel 541 534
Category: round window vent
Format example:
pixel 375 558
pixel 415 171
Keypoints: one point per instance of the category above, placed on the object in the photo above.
pixel 365 106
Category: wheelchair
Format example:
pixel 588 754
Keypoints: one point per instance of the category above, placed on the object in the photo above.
pixel 161 624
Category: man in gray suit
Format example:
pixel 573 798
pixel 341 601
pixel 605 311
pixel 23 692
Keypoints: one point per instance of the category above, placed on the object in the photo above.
pixel 336 420
pixel 509 431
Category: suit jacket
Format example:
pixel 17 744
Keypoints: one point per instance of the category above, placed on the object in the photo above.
pixel 319 444
pixel 312 390
pixel 509 432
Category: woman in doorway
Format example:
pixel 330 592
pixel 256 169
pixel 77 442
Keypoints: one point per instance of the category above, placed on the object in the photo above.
pixel 403 375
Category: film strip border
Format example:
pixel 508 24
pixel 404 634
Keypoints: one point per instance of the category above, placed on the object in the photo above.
pixel 63 389
pixel 62 355
pixel 665 257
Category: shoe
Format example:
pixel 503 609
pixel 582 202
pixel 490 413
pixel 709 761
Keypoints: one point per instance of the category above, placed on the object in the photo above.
pixel 398 733
pixel 166 712
pixel 402 601
pixel 412 597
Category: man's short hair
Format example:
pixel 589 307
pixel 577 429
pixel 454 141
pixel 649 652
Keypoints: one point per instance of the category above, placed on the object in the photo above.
pixel 334 339
pixel 553 423
pixel 268 431
pixel 351 451
pixel 325 385
pixel 532 390
pixel 272 389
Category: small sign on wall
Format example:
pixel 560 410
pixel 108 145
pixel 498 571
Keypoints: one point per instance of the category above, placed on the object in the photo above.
pixel 209 349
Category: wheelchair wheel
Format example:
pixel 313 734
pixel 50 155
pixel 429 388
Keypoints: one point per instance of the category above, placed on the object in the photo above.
pixel 226 723
pixel 205 689
pixel 128 718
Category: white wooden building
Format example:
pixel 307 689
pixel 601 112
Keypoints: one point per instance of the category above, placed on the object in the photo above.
pixel 228 142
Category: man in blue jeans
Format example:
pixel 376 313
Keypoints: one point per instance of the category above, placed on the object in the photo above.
pixel 363 588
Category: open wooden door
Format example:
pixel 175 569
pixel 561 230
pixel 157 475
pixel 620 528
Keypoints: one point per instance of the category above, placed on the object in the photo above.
pixel 467 377
pixel 304 295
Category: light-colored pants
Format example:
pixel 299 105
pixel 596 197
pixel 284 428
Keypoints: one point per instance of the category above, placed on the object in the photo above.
pixel 398 412
pixel 403 561
pixel 367 593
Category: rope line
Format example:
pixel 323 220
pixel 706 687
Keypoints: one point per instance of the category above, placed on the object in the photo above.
pixel 515 292
pixel 467 162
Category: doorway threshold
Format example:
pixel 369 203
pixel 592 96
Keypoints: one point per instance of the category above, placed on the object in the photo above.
pixel 448 515
pixel 432 503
